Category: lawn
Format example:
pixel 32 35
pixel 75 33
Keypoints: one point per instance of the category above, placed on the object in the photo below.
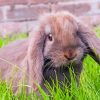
pixel 89 88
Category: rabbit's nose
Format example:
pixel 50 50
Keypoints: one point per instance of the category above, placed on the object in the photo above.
pixel 70 55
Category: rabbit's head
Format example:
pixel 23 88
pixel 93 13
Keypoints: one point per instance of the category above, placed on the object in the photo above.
pixel 62 44
pixel 62 39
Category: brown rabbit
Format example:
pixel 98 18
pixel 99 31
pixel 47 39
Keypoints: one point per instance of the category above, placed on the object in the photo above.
pixel 58 40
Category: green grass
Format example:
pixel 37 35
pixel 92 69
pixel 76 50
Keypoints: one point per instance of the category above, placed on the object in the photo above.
pixel 8 39
pixel 89 83
pixel 97 29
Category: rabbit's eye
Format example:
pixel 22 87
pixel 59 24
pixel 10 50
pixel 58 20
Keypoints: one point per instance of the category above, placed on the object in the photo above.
pixel 50 37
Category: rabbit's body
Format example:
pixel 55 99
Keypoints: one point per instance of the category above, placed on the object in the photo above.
pixel 60 38
pixel 11 58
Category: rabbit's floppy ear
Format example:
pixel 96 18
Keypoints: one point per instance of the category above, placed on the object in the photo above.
pixel 90 39
pixel 35 59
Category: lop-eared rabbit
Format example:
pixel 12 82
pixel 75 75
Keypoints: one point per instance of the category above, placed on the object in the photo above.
pixel 59 39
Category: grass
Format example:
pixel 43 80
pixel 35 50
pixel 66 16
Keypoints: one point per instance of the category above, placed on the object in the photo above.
pixel 97 29
pixel 8 39
pixel 89 83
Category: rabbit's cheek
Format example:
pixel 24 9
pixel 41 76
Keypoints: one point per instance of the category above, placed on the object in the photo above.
pixel 46 50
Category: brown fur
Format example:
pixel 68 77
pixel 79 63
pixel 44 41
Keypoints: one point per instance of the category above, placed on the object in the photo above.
pixel 71 40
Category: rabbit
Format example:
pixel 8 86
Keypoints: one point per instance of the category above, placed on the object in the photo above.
pixel 59 39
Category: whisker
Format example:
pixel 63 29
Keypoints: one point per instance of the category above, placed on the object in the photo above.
pixel 48 63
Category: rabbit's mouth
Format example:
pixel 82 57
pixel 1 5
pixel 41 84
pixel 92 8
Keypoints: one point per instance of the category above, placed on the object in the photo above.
pixel 49 63
pixel 60 59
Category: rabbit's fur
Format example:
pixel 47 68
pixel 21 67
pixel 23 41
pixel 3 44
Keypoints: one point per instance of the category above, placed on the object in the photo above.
pixel 58 40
